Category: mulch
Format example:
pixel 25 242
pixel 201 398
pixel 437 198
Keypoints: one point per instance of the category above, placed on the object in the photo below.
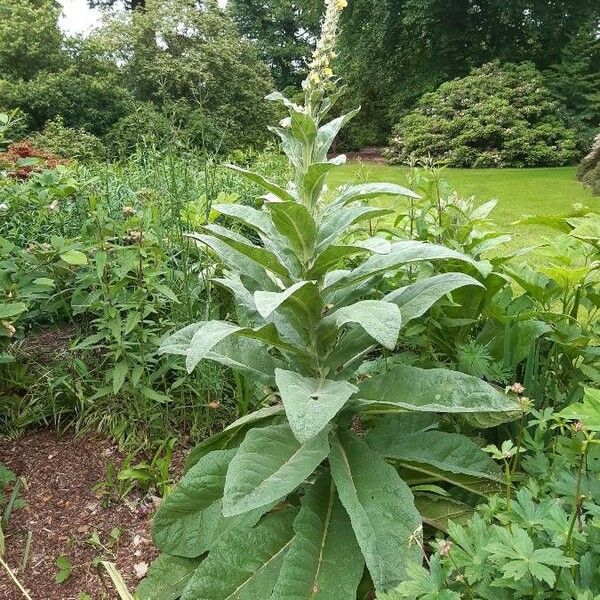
pixel 64 509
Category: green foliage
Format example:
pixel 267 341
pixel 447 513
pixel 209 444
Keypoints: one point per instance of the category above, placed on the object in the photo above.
pixel 202 61
pixel 498 116
pixel 30 38
pixel 68 142
pixel 295 475
pixel 575 82
pixel 541 543
pixel 282 30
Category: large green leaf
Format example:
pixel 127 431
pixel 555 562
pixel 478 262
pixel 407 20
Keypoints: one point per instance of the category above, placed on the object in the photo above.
pixel 381 320
pixel 314 180
pixel 240 353
pixel 405 388
pixel 330 258
pixel 336 223
pixel 271 187
pixel 303 295
pixel 232 435
pixel 324 561
pixel 447 451
pixel 401 254
pixel 297 225
pixel 237 261
pixel 367 191
pixel 257 219
pixel 244 563
pixel 167 577
pixel 588 411
pixel 416 299
pixel 436 511
pixel 190 515
pixel 12 309
pixel 269 464
pixel 309 403
pixel 212 333
pixel 327 134
pixel 381 508
pixel 260 255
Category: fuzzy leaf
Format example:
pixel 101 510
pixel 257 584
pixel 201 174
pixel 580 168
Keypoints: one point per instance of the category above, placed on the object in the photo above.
pixel 324 561
pixel 309 403
pixel 245 562
pixel 381 320
pixel 269 464
pixel 190 515
pixel 416 299
pixel 328 132
pixel 167 577
pixel 381 508
pixel 232 435
pixel 271 187
pixel 303 295
pixel 406 388
pixel 296 224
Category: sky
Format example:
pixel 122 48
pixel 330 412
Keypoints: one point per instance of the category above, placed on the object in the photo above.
pixel 78 17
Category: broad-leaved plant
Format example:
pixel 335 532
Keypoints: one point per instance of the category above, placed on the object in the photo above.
pixel 310 495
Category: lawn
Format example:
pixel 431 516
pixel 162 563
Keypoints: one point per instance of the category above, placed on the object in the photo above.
pixel 519 192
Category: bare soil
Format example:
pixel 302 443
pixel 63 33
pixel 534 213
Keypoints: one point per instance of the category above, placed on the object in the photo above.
pixel 65 511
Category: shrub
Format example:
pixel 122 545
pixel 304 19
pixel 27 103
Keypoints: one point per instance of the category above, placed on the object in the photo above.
pixel 498 116
pixel 67 141
pixel 589 170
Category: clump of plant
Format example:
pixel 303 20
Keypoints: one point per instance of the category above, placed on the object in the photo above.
pixel 337 471
pixel 541 543
pixel 498 116
pixel 21 160
pixel 68 142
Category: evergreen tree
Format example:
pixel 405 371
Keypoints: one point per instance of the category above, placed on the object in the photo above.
pixel 575 80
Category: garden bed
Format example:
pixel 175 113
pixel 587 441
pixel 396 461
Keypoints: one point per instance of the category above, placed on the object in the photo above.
pixel 67 510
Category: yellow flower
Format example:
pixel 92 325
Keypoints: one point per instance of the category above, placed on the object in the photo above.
pixel 315 78
pixel 327 72
pixel 341 4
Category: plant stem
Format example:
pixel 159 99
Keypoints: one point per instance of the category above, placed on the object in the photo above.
pixel 13 577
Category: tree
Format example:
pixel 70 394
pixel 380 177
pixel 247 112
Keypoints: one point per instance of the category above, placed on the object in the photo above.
pixel 575 80
pixel 282 30
pixel 30 38
pixel 191 53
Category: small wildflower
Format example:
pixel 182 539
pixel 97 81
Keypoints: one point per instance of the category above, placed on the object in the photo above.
pixel 128 211
pixel 214 404
pixel 3 207
pixel 517 388
pixel 445 547
pixel 525 403
pixel 578 426
pixel 54 206
pixel 10 328
pixel 133 236
pixel 341 4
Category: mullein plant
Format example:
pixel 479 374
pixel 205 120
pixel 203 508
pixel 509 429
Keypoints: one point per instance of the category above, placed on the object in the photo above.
pixel 324 491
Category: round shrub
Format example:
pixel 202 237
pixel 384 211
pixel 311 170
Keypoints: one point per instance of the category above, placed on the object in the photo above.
pixel 68 142
pixel 589 170
pixel 498 116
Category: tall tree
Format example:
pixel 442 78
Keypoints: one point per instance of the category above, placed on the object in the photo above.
pixel 283 31
pixel 575 80
pixel 30 38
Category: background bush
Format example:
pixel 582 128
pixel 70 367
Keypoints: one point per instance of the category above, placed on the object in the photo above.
pixel 498 116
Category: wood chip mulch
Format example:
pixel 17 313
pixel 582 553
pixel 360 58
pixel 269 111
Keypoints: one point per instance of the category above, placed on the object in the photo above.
pixel 64 511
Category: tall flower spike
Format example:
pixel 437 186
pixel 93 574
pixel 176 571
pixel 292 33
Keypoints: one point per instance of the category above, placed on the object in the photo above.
pixel 320 77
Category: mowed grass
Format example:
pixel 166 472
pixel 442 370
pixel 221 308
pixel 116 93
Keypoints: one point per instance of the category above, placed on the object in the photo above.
pixel 519 192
